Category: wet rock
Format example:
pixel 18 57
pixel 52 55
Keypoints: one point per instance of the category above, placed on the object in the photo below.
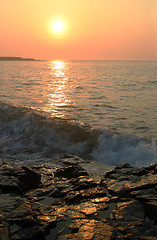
pixel 101 200
pixel 76 196
pixel 20 213
pixel 122 181
pixel 9 202
pixel 88 208
pixel 9 184
pixel 4 229
pixel 89 229
pixel 64 201
pixel 138 187
pixel 47 219
pixel 151 209
pixel 29 178
pixel 129 219
pixel 130 211
pixel 123 166
pixel 73 171
pixel 144 195
pixel 27 233
pixel 84 183
pixel 18 180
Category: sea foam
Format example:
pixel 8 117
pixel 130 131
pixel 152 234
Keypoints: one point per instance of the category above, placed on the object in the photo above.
pixel 25 133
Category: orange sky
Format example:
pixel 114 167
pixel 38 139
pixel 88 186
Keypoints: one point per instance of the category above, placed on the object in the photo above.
pixel 94 29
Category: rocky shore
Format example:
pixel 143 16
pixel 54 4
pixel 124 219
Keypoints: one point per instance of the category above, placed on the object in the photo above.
pixel 67 199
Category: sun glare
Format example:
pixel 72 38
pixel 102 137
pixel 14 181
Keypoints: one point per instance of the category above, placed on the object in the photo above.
pixel 58 27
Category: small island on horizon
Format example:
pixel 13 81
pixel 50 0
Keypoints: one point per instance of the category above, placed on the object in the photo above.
pixel 17 59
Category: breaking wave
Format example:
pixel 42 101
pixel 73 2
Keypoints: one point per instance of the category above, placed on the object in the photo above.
pixel 27 132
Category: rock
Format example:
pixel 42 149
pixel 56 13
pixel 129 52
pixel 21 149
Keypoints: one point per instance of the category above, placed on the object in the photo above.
pixel 130 221
pixel 123 166
pixel 18 180
pixel 122 181
pixel 145 195
pixel 84 183
pixel 20 213
pixel 89 229
pixel 8 202
pixel 151 209
pixel 83 195
pixel 51 220
pixel 29 178
pixel 73 171
pixel 4 229
pixel 129 211
pixel 29 233
pixel 64 201
pixel 88 208
pixel 9 184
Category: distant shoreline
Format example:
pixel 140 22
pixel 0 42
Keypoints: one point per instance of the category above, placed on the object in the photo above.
pixel 17 59
pixel 71 60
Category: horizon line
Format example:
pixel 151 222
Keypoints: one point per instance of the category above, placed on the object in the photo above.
pixel 63 59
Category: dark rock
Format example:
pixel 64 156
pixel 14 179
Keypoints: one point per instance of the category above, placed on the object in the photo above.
pixel 73 171
pixel 9 184
pixel 151 209
pixel 144 195
pixel 123 165
pixel 7 170
pixel 44 219
pixel 20 213
pixel 18 180
pixel 84 183
pixel 9 202
pixel 130 220
pixel 67 203
pixel 28 221
pixel 118 184
pixel 4 229
pixel 89 229
pixel 29 178
pixel 33 233
pixel 82 195
pixel 110 173
pixel 129 211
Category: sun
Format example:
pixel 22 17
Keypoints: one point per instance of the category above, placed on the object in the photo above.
pixel 58 26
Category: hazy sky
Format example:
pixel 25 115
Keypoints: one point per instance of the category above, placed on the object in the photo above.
pixel 93 29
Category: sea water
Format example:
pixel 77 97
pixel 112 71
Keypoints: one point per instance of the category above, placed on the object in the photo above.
pixel 102 110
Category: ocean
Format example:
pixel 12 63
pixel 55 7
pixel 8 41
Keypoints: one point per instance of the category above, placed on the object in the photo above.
pixel 101 110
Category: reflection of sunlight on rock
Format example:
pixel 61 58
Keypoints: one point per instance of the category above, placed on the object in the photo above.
pixel 88 208
pixel 87 230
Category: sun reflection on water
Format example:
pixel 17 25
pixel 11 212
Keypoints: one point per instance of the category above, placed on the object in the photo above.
pixel 57 97
pixel 58 68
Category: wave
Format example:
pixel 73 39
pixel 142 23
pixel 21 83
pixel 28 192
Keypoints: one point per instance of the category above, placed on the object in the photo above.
pixel 27 132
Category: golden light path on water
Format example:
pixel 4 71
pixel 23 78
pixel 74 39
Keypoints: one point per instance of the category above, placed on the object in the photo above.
pixel 57 97
pixel 117 95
